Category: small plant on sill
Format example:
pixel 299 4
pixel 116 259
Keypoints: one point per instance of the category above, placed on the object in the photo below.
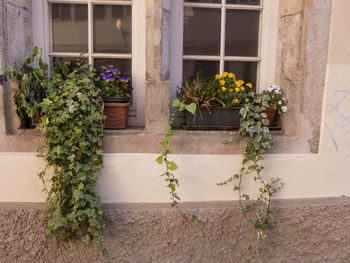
pixel 33 81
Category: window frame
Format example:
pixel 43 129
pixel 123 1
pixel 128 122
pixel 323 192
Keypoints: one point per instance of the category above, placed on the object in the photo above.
pixel 266 58
pixel 42 37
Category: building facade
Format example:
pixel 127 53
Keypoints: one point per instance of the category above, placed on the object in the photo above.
pixel 301 46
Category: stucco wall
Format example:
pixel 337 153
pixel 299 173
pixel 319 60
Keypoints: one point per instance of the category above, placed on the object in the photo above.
pixel 312 231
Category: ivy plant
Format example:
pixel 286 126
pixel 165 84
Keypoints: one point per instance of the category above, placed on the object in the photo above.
pixel 254 126
pixel 171 166
pixel 72 123
pixel 33 79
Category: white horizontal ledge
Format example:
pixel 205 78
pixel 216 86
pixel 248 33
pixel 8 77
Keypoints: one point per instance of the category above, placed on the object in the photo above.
pixel 95 2
pixel 226 58
pixel 86 55
pixel 227 6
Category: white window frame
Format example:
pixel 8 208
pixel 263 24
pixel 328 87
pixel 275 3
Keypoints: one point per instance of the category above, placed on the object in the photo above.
pixel 267 41
pixel 41 37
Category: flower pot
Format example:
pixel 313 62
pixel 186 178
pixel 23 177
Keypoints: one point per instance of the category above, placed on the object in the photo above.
pixel 116 114
pixel 271 113
pixel 217 118
pixel 34 121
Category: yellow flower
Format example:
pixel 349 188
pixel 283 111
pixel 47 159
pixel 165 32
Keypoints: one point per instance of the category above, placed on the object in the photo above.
pixel 231 75
pixel 242 88
pixel 241 81
pixel 235 101
pixel 222 82
pixel 236 89
pixel 238 84
pixel 223 88
pixel 250 85
pixel 225 74
pixel 224 105
pixel 217 76
pixel 230 90
pixel 107 80
pixel 246 100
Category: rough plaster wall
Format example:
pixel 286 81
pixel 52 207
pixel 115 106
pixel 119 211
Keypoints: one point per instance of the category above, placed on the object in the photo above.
pixel 302 233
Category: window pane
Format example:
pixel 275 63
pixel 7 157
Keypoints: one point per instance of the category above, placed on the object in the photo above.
pixel 201 31
pixel 246 71
pixel 112 28
pixel 69 28
pixel 242 33
pixel 243 2
pixel 203 1
pixel 191 67
pixel 124 65
pixel 58 62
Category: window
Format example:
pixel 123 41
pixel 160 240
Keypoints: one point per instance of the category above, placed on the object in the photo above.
pixel 99 32
pixel 214 36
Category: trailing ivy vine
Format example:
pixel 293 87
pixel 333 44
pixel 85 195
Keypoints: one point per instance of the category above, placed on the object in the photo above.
pixel 254 125
pixel 171 166
pixel 72 123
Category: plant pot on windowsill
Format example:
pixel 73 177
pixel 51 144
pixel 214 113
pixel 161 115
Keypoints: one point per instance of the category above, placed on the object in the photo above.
pixel 216 118
pixel 271 114
pixel 116 112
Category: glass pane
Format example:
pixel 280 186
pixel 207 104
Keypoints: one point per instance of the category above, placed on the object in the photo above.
pixel 243 2
pixel 246 71
pixel 242 33
pixel 58 62
pixel 203 1
pixel 112 28
pixel 69 27
pixel 201 31
pixel 124 65
pixel 191 67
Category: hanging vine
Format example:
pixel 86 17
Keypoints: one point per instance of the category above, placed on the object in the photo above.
pixel 254 126
pixel 171 166
pixel 73 128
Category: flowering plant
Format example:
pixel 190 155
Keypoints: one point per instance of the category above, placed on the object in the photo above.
pixel 233 92
pixel 275 98
pixel 221 91
pixel 114 84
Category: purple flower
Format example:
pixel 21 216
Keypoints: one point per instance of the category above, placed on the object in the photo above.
pixel 31 96
pixel 24 67
pixel 3 79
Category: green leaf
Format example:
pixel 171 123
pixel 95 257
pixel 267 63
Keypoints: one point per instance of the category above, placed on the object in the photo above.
pixel 176 103
pixel 160 159
pixel 172 166
pixel 191 108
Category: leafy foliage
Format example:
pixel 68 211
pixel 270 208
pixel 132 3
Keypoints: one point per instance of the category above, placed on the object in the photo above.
pixel 72 124
pixel 171 166
pixel 254 126
pixel 32 84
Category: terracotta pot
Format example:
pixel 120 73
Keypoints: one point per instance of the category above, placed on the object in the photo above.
pixel 271 113
pixel 116 115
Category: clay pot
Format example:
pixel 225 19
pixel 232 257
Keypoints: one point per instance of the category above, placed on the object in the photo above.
pixel 116 115
pixel 271 113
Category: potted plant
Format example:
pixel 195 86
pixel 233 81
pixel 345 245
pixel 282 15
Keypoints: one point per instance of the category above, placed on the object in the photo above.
pixel 218 100
pixel 276 102
pixel 116 91
pixel 32 85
